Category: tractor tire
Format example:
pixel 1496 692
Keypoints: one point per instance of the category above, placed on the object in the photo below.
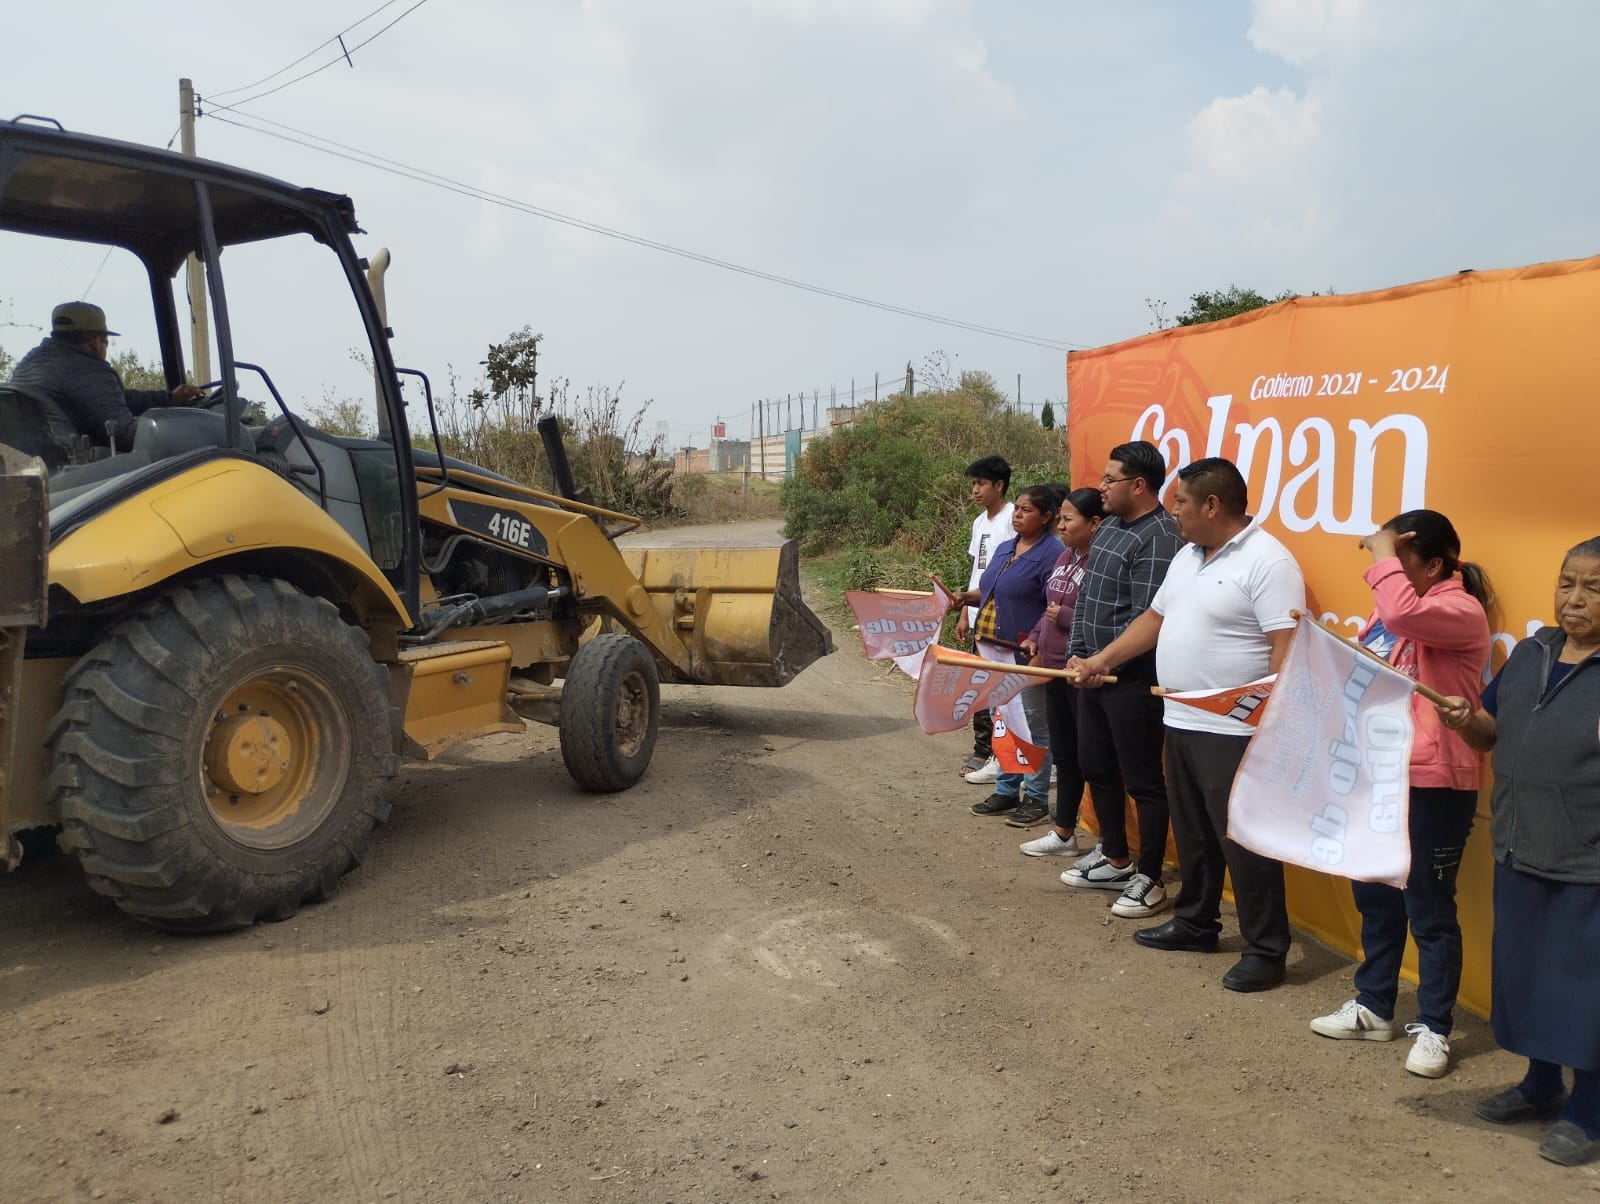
pixel 610 709
pixel 222 756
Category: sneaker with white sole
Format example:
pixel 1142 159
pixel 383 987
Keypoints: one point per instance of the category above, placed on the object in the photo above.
pixel 1144 896
pixel 1430 1053
pixel 1049 845
pixel 1089 857
pixel 986 774
pixel 1353 1022
pixel 1094 872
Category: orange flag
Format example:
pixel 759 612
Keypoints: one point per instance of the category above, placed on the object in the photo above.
pixel 1246 703
pixel 1013 752
pixel 898 623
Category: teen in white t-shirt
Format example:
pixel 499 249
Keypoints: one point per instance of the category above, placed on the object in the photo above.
pixel 990 477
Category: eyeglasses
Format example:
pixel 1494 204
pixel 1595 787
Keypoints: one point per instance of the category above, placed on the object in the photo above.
pixel 1110 480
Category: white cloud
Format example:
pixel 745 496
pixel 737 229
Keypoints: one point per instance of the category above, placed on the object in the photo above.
pixel 1259 141
pixel 1317 34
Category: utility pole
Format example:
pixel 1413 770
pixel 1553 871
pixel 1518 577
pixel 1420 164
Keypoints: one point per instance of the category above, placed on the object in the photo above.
pixel 874 388
pixel 1019 392
pixel 199 323
pixel 911 381
pixel 762 406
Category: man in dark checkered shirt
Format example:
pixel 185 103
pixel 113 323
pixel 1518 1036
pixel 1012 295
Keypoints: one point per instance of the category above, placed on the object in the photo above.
pixel 1119 725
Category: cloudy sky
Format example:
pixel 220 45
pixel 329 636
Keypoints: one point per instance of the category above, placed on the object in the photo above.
pixel 1040 168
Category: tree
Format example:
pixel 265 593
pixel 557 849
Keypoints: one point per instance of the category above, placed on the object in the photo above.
pixel 6 361
pixel 513 371
pixel 1225 303
pixel 1047 416
pixel 136 374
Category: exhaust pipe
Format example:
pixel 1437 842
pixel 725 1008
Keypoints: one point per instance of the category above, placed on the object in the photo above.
pixel 555 452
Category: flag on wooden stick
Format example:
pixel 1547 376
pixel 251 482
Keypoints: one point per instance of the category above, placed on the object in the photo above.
pixel 1246 703
pixel 952 685
pixel 1323 783
pixel 897 623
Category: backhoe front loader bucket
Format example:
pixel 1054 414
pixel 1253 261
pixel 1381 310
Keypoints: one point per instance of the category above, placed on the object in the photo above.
pixel 737 610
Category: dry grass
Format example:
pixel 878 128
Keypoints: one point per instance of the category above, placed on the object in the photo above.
pixel 723 497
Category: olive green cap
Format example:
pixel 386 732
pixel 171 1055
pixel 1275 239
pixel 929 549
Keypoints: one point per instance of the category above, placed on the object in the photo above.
pixel 79 317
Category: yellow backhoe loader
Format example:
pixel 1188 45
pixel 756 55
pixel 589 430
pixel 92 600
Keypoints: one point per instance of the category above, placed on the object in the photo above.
pixel 216 648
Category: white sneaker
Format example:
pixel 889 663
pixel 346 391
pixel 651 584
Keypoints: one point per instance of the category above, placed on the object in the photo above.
pixel 1049 845
pixel 986 775
pixel 1430 1054
pixel 1094 872
pixel 1082 864
pixel 1352 1022
pixel 1143 897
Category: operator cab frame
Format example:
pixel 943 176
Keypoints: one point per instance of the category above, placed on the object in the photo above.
pixel 162 207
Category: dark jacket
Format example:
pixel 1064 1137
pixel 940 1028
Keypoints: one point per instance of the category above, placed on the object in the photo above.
pixel 85 389
pixel 1018 590
pixel 1546 800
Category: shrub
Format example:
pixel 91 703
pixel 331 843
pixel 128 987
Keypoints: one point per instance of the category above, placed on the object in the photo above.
pixel 889 493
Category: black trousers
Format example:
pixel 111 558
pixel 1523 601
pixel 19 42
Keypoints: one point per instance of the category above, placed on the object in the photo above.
pixel 983 734
pixel 1119 750
pixel 1200 770
pixel 1061 716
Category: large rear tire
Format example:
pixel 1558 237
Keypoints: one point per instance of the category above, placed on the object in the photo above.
pixel 610 708
pixel 222 756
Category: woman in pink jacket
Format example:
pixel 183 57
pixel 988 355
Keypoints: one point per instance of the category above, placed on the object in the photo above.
pixel 1432 625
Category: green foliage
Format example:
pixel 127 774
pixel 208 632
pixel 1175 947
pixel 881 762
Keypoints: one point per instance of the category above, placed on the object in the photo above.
pixel 512 368
pixel 6 362
pixel 1225 303
pixel 136 374
pixel 1047 416
pixel 890 494
pixel 347 417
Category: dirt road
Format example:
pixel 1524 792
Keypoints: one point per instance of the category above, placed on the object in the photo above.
pixel 788 965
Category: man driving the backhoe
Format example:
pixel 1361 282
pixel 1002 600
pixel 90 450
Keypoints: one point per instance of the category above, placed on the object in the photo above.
pixel 70 370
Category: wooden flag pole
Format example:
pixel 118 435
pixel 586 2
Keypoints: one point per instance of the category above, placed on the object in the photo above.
pixel 1427 692
pixel 949 656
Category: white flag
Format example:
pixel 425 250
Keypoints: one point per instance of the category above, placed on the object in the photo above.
pixel 1323 783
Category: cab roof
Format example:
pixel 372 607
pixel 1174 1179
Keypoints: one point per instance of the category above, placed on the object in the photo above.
pixel 67 185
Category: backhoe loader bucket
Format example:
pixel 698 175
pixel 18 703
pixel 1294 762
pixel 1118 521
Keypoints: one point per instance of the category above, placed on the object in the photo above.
pixel 737 610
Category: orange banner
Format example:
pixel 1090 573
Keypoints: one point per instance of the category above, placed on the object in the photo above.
pixel 1468 395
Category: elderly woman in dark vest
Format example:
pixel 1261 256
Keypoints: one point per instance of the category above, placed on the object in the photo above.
pixel 1541 716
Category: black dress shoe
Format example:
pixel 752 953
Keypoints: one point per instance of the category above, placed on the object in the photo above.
pixel 1253 974
pixel 1177 936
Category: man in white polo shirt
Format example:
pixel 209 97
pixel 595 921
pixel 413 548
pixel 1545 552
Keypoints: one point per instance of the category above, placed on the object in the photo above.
pixel 1221 618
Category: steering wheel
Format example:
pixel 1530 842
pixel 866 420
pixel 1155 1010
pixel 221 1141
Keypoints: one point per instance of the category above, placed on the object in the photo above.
pixel 211 397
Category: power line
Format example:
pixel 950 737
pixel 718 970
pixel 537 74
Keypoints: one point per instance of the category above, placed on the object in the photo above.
pixel 291 66
pixel 343 56
pixel 434 179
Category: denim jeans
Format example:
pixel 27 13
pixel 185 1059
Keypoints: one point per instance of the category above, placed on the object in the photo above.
pixel 1035 785
pixel 1440 820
